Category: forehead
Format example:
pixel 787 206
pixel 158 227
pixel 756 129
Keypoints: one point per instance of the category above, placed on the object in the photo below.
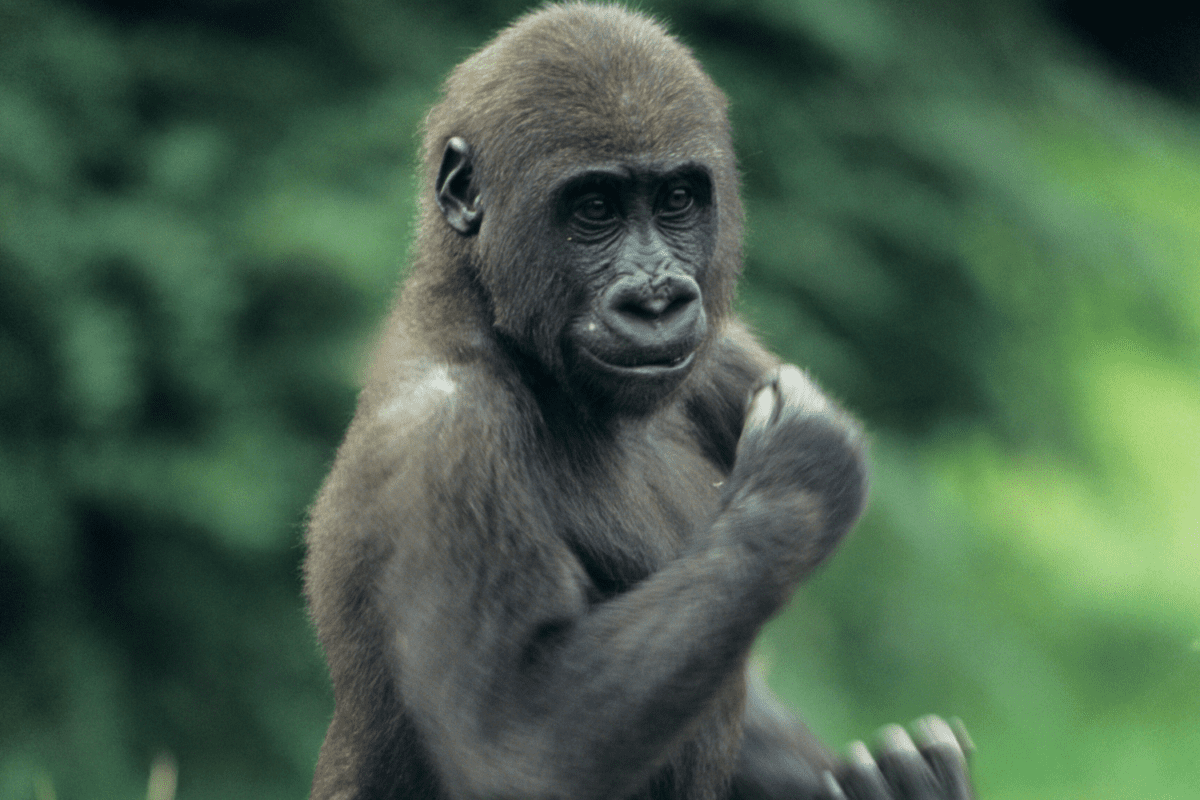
pixel 640 126
pixel 594 82
pixel 629 117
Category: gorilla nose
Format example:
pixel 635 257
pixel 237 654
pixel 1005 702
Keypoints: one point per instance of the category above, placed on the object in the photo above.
pixel 663 317
pixel 654 308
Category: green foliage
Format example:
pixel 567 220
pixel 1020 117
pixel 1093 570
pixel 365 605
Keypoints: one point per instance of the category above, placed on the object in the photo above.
pixel 965 229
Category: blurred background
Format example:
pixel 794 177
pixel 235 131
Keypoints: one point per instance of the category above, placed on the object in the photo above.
pixel 978 223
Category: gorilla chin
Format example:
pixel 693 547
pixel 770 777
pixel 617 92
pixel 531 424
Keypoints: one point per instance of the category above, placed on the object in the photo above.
pixel 634 389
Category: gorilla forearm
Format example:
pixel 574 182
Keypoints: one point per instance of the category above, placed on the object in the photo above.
pixel 587 709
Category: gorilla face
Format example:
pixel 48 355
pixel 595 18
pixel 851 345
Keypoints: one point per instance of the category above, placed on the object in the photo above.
pixel 618 252
pixel 637 240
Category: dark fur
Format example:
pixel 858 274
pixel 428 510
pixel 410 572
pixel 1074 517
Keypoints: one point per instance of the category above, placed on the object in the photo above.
pixel 525 589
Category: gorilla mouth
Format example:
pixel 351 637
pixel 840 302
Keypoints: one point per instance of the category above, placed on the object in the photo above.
pixel 652 364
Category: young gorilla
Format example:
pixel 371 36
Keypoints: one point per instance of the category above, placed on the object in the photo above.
pixel 575 486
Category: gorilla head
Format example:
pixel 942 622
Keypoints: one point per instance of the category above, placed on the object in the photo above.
pixel 583 162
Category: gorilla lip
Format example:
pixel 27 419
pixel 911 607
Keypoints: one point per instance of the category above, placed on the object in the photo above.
pixel 648 369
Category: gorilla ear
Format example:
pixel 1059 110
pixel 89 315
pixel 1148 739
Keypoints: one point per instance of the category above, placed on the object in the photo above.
pixel 456 193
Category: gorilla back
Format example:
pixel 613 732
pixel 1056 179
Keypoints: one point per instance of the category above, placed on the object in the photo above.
pixel 575 487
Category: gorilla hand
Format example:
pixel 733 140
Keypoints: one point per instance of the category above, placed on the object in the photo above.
pixel 800 473
pixel 934 767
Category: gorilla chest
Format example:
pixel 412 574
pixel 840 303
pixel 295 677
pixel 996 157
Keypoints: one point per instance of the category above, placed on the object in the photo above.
pixel 626 521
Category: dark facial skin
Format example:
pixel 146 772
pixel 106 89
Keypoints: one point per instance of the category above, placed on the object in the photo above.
pixel 575 486
pixel 637 240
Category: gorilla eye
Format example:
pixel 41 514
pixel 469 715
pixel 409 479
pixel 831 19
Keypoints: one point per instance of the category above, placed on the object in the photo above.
pixel 678 199
pixel 594 209
pixel 676 203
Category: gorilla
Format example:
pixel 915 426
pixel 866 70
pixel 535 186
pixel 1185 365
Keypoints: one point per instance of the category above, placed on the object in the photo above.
pixel 575 486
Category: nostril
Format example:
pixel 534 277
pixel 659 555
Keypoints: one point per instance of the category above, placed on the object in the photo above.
pixel 659 306
pixel 647 308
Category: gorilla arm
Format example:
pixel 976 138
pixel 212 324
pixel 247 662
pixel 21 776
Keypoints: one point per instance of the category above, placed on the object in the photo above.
pixel 779 757
pixel 518 685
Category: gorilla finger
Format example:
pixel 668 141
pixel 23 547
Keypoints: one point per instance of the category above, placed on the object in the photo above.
pixel 861 778
pixel 830 785
pixel 932 732
pixel 964 738
pixel 800 392
pixel 764 406
pixel 905 769
pixel 943 752
pixel 950 773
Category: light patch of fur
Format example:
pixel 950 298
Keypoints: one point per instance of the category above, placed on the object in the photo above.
pixel 436 387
